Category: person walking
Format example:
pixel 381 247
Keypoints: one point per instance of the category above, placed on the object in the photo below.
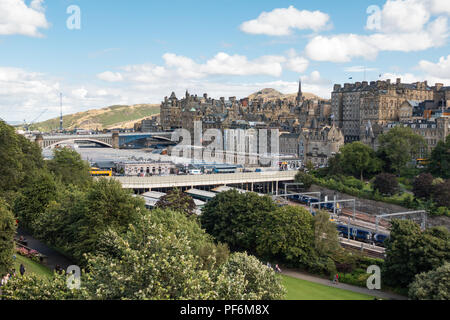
pixel 277 268
pixel 22 269
pixel 336 279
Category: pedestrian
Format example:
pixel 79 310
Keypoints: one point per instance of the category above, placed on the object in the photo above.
pixel 269 265
pixel 22 269
pixel 277 268
pixel 336 279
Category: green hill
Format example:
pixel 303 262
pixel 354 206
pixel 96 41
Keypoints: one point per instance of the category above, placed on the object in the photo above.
pixel 119 116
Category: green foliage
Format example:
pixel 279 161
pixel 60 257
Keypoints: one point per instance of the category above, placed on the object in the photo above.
pixel 286 234
pixel 398 146
pixel 409 251
pixel 306 179
pixel 33 287
pixel 326 240
pixel 261 282
pixel 7 232
pixel 18 157
pixel 38 190
pixel 439 164
pixel 386 184
pixel 232 217
pixel 432 285
pixel 177 200
pixel 359 160
pixel 68 166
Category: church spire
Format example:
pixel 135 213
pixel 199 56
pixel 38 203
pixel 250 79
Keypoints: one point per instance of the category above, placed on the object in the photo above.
pixel 299 94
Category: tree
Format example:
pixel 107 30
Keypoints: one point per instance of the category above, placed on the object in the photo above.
pixel 439 164
pixel 409 251
pixel 286 235
pixel 386 184
pixel 306 179
pixel 358 159
pixel 261 282
pixel 326 240
pixel 400 145
pixel 177 200
pixel 38 190
pixel 68 166
pixel 432 285
pixel 441 194
pixel 232 218
pixel 7 232
pixel 423 186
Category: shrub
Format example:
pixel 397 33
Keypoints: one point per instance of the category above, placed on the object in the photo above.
pixel 386 184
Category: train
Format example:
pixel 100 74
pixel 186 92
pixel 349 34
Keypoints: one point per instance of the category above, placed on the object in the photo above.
pixel 362 235
pixel 355 233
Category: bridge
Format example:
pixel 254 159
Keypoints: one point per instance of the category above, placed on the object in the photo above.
pixel 268 181
pixel 108 140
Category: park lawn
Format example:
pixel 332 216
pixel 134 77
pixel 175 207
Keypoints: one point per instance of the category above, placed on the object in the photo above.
pixel 298 289
pixel 32 267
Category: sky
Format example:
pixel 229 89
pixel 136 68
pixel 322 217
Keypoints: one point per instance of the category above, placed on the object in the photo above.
pixel 99 53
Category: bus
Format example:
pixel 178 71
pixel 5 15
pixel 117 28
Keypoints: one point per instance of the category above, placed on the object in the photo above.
pixel 96 172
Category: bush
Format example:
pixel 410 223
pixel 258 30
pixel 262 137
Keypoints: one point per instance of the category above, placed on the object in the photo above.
pixel 304 178
pixel 386 184
pixel 433 285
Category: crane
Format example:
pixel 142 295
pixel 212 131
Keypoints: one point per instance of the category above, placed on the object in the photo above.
pixel 28 125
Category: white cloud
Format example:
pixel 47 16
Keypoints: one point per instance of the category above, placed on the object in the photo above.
pixel 296 63
pixel 358 69
pixel 110 76
pixel 18 18
pixel 439 70
pixel 405 26
pixel 281 22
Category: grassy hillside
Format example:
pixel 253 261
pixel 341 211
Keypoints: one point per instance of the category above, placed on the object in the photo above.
pixel 119 116
pixel 269 94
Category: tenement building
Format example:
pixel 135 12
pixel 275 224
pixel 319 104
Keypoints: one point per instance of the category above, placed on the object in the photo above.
pixel 378 102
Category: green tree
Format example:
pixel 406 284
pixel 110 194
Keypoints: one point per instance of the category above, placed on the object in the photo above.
pixel 261 282
pixel 359 160
pixel 177 200
pixel 7 232
pixel 439 164
pixel 409 251
pixel 232 218
pixel 38 190
pixel 398 146
pixel 286 235
pixel 305 179
pixel 68 166
pixel 432 285
pixel 326 240
pixel 386 184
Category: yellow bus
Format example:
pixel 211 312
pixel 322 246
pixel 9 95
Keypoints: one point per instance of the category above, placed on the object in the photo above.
pixel 96 172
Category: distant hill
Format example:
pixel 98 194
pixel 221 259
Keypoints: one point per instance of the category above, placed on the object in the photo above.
pixel 119 116
pixel 270 94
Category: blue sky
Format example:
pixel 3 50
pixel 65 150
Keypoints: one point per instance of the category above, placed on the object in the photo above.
pixel 138 51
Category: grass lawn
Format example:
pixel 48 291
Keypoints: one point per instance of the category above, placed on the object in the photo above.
pixel 32 267
pixel 298 289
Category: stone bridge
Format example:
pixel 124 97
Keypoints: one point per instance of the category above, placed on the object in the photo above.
pixel 109 140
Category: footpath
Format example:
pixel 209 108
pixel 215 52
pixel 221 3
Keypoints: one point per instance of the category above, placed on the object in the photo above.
pixel 53 257
pixel 375 293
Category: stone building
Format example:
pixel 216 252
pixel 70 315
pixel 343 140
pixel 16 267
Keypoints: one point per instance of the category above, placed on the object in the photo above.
pixel 290 144
pixel 432 131
pixel 319 144
pixel 379 102
pixel 132 168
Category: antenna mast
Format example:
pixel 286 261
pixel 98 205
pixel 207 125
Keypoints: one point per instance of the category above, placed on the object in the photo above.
pixel 61 117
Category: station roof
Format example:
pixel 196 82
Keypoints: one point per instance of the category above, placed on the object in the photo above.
pixel 204 195
pixel 154 195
